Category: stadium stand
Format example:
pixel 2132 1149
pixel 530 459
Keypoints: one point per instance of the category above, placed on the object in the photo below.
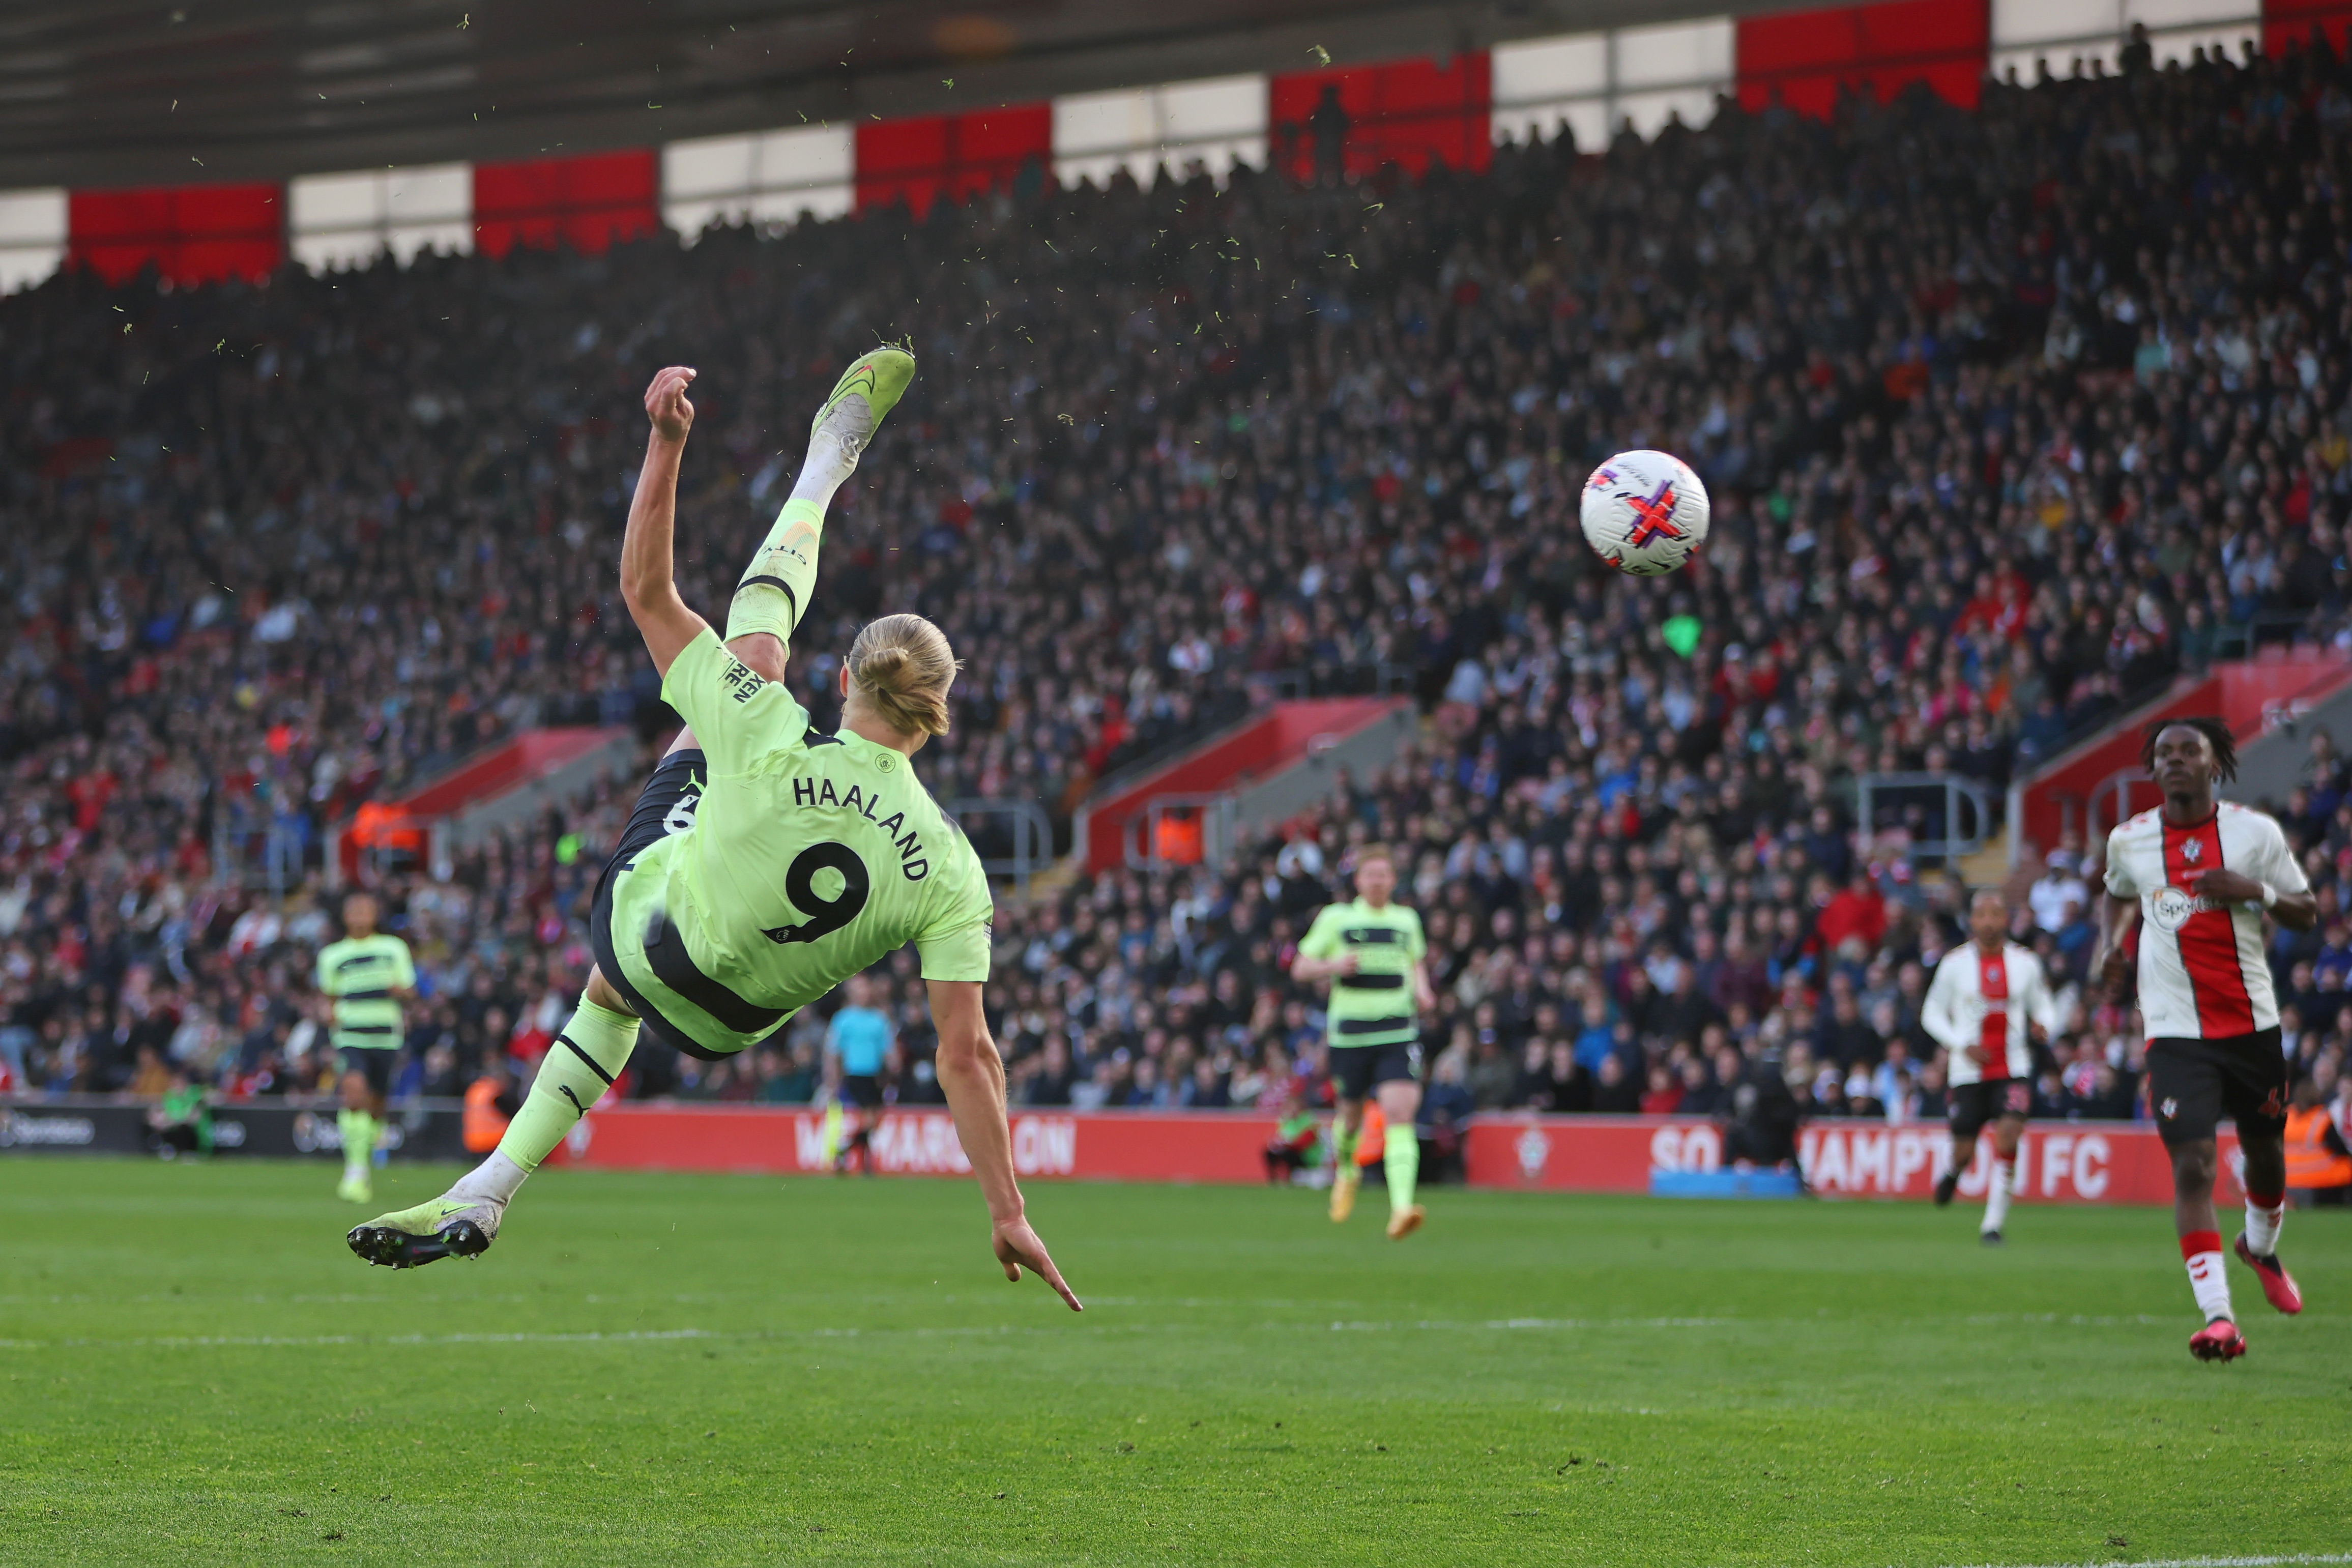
pixel 2008 413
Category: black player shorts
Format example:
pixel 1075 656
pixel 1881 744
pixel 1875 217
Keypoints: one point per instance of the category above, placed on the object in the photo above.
pixel 1974 1104
pixel 861 1089
pixel 372 1063
pixel 665 806
pixel 1356 1071
pixel 2191 1084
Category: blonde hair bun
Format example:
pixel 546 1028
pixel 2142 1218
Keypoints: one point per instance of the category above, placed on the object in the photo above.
pixel 903 665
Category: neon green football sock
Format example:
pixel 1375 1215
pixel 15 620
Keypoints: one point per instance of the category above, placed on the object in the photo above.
pixel 578 1067
pixel 358 1129
pixel 1403 1159
pixel 774 592
pixel 1343 1150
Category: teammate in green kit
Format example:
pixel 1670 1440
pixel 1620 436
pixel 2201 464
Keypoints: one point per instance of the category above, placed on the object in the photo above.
pixel 364 978
pixel 1371 952
pixel 764 864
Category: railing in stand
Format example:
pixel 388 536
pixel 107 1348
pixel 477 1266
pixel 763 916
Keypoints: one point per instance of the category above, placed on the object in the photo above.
pixel 2241 640
pixel 2120 783
pixel 1964 833
pixel 1376 679
pixel 1032 835
pixel 1194 829
pixel 248 854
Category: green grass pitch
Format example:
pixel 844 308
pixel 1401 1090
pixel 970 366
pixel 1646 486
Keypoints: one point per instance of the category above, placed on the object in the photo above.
pixel 736 1370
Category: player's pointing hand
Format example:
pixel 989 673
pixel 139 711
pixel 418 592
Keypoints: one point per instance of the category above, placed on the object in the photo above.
pixel 665 404
pixel 1016 1245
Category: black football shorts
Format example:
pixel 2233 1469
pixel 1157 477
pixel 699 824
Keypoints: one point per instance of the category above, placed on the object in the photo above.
pixel 2192 1084
pixel 1357 1071
pixel 1974 1104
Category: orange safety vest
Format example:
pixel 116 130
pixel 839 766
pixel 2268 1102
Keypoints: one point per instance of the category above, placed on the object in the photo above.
pixel 485 1123
pixel 1178 840
pixel 2309 1162
pixel 378 825
pixel 1371 1137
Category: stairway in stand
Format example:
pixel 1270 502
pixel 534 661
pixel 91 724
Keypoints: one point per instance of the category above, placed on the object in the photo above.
pixel 1987 866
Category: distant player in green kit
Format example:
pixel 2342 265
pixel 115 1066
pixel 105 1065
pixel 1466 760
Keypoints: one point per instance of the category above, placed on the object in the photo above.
pixel 1371 952
pixel 365 977
pixel 765 864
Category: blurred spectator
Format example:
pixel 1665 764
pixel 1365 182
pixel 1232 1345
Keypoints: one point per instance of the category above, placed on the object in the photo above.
pixel 1298 1140
pixel 1984 473
pixel 2059 888
pixel 1445 1110
pixel 181 1120
pixel 491 1101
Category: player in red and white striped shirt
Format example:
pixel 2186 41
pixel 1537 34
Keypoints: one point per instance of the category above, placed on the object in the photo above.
pixel 1985 993
pixel 2195 876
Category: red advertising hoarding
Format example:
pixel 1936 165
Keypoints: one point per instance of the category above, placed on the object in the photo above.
pixel 2085 1161
pixel 1131 1145
pixel 1410 112
pixel 921 158
pixel 1806 57
pixel 2061 1162
pixel 189 234
pixel 588 203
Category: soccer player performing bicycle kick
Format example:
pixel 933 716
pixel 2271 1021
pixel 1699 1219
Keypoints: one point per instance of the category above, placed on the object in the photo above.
pixel 764 864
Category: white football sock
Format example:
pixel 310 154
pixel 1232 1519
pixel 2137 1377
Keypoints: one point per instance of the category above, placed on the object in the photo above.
pixel 1998 1187
pixel 493 1181
pixel 2262 1228
pixel 834 448
pixel 2211 1283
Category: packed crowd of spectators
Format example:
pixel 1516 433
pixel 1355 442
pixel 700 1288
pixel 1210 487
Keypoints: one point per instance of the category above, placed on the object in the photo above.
pixel 2007 415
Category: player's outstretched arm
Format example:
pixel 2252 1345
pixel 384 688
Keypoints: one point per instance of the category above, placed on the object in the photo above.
pixel 972 1076
pixel 649 585
pixel 2117 916
pixel 2296 911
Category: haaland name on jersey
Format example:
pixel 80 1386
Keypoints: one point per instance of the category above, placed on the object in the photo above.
pixel 912 864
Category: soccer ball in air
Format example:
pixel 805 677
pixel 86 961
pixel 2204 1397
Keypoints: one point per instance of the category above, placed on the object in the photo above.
pixel 1644 512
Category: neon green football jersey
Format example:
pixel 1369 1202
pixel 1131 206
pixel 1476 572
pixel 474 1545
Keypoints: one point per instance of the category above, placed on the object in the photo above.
pixel 360 973
pixel 809 857
pixel 1375 1005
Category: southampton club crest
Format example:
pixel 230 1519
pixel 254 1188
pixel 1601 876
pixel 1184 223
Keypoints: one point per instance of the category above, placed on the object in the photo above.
pixel 2193 850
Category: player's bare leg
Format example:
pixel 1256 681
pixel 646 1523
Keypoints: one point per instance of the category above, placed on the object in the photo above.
pixel 2193 1165
pixel 1399 1100
pixel 2257 1245
pixel 1347 1119
pixel 861 1141
pixel 2000 1182
pixel 1962 1153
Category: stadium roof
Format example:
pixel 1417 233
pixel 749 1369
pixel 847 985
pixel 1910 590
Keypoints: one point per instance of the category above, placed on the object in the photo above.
pixel 114 92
